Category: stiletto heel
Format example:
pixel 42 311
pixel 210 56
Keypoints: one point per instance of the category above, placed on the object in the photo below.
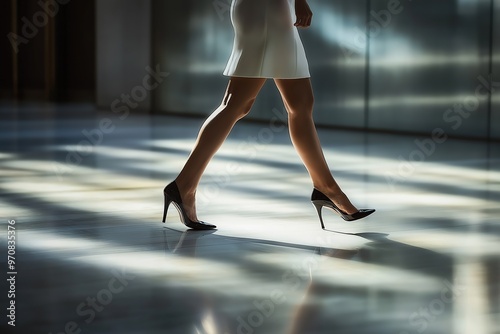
pixel 166 205
pixel 318 208
pixel 172 195
pixel 320 200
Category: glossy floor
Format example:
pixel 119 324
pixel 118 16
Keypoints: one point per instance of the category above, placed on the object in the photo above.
pixel 85 191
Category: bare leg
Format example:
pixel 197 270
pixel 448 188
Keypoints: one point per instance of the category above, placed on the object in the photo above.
pixel 298 99
pixel 238 99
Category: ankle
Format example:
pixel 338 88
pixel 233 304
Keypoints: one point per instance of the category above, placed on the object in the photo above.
pixel 186 189
pixel 329 189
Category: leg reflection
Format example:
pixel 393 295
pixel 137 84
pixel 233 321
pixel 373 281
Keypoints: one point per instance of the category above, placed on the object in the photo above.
pixel 305 316
pixel 183 243
pixel 202 306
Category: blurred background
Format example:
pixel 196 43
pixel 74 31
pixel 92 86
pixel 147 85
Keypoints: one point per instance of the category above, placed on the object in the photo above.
pixel 420 60
pixel 101 102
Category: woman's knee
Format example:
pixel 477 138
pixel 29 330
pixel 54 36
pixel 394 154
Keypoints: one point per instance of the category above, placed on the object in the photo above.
pixel 240 95
pixel 301 105
pixel 238 108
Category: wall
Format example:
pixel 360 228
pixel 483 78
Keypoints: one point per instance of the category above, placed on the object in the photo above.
pixel 123 34
pixel 417 71
pixel 48 52
pixel 495 105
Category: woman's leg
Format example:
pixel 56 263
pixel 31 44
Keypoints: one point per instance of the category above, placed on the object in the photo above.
pixel 238 99
pixel 298 99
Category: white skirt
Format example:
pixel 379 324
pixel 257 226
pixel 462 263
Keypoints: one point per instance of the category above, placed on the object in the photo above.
pixel 266 43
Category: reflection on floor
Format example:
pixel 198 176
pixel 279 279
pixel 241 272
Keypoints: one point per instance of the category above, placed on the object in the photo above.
pixel 92 254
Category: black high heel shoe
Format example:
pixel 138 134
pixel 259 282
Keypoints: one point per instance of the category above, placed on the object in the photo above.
pixel 172 195
pixel 320 200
